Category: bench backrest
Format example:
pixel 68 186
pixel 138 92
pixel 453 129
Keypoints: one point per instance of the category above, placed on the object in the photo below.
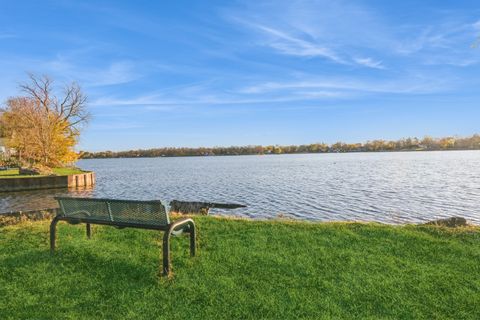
pixel 125 211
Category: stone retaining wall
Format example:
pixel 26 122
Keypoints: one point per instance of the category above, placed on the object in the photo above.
pixel 11 218
pixel 72 181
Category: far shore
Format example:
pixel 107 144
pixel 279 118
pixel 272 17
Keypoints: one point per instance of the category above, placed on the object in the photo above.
pixel 379 145
pixel 273 154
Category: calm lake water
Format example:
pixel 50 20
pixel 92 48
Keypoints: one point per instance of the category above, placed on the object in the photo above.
pixel 403 187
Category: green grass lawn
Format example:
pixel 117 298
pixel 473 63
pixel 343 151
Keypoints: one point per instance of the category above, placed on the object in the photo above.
pixel 244 270
pixel 13 173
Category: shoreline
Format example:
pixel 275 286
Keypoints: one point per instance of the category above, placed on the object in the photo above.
pixel 16 217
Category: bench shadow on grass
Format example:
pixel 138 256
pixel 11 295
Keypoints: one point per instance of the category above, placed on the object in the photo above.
pixel 82 274
pixel 74 263
pixel 100 269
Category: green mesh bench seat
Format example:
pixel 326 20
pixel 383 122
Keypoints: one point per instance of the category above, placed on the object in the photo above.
pixel 151 215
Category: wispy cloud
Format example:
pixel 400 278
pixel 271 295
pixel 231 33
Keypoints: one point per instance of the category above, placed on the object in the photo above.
pixel 117 126
pixel 115 72
pixel 369 62
pixel 171 103
pixel 476 25
pixel 330 29
pixel 408 85
pixel 290 44
pixel 278 93
pixel 314 29
pixel 422 38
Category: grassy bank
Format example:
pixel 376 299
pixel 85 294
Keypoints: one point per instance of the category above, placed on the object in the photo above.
pixel 13 173
pixel 244 270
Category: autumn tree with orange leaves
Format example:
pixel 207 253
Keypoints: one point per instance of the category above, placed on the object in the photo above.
pixel 43 126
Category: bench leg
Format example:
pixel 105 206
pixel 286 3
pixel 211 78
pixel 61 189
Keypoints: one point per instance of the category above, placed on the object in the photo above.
pixel 53 234
pixel 89 231
pixel 166 254
pixel 193 246
pixel 166 265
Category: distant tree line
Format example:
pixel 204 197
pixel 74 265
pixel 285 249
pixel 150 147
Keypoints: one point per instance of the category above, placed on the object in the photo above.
pixel 407 144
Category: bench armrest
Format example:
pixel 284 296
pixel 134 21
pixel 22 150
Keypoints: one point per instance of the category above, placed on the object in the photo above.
pixel 181 224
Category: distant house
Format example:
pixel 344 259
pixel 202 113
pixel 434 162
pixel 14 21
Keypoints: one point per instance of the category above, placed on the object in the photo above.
pixel 3 149
pixel 5 152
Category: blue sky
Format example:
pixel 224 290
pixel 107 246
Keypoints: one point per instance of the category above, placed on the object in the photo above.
pixel 219 73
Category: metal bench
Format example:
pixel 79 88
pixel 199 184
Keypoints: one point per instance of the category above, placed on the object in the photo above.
pixel 151 215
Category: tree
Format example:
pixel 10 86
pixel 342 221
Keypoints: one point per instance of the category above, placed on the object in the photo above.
pixel 428 142
pixel 42 126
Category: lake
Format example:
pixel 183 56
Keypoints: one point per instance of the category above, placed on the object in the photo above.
pixel 397 187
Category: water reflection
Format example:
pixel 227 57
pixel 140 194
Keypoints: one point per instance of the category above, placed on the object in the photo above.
pixel 39 199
